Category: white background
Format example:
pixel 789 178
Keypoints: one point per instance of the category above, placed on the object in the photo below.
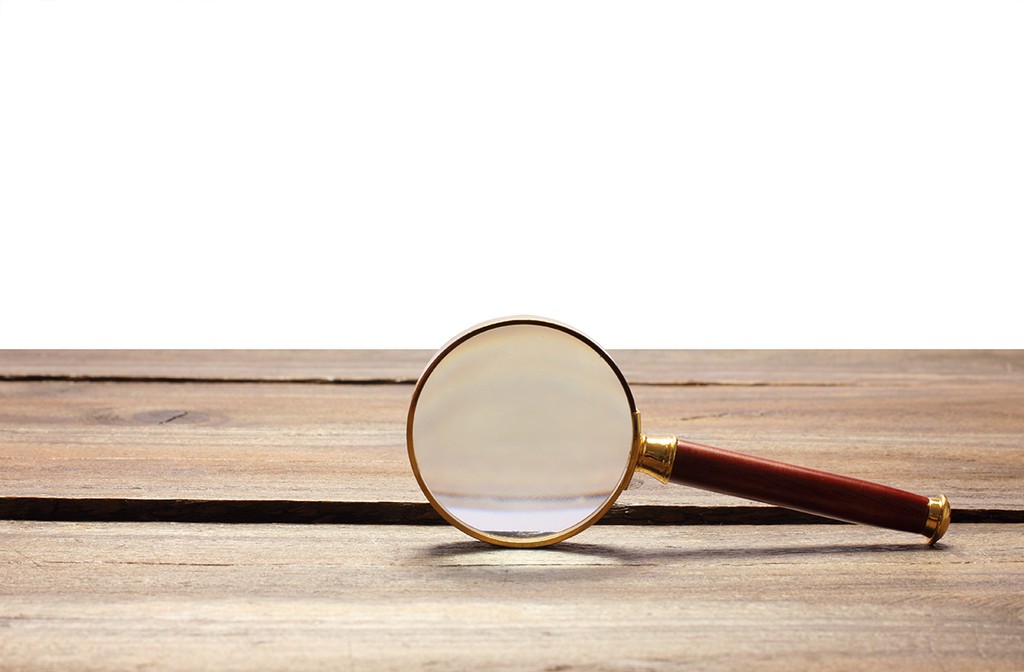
pixel 386 174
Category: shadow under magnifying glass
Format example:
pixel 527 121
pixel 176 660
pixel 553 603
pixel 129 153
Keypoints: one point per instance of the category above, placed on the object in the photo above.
pixel 575 553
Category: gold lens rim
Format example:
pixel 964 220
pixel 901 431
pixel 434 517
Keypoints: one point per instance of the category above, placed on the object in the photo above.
pixel 511 542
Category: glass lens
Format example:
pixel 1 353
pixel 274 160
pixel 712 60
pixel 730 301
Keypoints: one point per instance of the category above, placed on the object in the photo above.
pixel 522 432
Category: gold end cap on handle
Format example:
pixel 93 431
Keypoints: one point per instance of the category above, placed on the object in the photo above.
pixel 938 518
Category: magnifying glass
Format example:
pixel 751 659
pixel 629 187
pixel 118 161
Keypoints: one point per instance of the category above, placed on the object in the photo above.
pixel 522 432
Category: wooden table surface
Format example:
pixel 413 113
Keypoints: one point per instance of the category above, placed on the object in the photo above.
pixel 255 510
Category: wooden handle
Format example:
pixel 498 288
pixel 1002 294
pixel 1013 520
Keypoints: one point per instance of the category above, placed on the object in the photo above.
pixel 809 490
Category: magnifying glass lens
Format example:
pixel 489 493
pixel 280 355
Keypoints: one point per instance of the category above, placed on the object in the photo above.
pixel 521 432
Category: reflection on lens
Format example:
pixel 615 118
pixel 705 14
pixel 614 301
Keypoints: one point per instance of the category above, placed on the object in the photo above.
pixel 521 432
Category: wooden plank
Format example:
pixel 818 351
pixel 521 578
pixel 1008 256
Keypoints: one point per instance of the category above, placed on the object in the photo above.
pixel 729 367
pixel 233 441
pixel 820 367
pixel 347 443
pixel 241 365
pixel 184 597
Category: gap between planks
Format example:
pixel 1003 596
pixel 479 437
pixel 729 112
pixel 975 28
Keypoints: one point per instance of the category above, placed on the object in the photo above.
pixel 396 513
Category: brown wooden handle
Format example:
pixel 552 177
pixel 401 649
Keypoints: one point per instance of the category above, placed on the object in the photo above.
pixel 804 489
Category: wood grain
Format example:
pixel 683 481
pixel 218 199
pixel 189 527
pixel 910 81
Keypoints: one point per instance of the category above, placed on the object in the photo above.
pixel 318 437
pixel 238 365
pixel 346 443
pixel 672 367
pixel 162 596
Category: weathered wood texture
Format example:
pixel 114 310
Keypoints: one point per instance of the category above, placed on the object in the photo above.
pixel 346 442
pixel 284 431
pixel 187 597
pixel 241 365
pixel 903 367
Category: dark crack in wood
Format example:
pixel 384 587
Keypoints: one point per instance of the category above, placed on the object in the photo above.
pixel 396 513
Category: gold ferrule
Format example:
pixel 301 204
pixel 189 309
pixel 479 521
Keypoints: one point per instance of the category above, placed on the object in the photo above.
pixel 938 518
pixel 657 456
